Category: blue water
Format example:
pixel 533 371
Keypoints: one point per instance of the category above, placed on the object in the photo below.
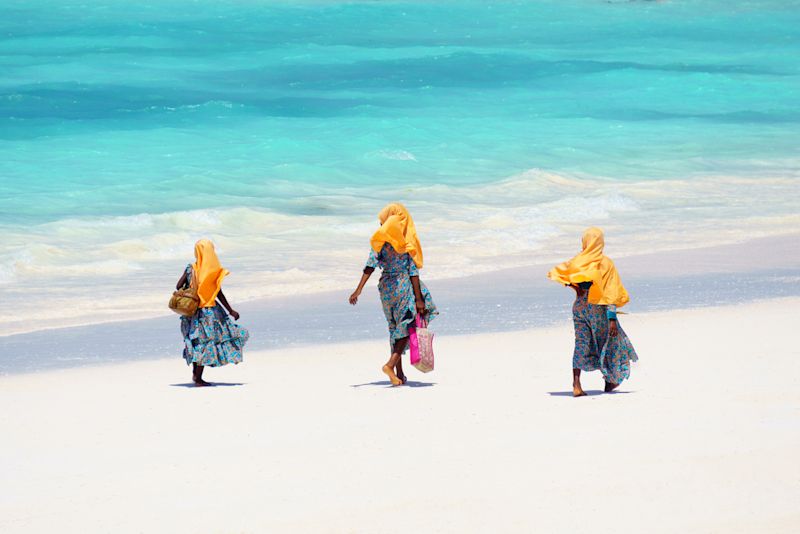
pixel 128 129
pixel 118 107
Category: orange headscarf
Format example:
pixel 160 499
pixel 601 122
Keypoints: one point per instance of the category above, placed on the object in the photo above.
pixel 207 273
pixel 592 266
pixel 397 229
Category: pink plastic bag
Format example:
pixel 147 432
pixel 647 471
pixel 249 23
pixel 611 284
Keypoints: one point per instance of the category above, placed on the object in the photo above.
pixel 420 342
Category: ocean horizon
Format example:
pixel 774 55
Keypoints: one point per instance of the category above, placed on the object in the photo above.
pixel 280 129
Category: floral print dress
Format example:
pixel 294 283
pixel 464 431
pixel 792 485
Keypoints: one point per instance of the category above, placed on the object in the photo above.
pixel 594 348
pixel 210 336
pixel 396 291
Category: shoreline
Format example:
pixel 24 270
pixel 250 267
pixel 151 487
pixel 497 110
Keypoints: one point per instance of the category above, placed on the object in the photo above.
pixel 565 325
pixel 775 249
pixel 501 301
pixel 492 439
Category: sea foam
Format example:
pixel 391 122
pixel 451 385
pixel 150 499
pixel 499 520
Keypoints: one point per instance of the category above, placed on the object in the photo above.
pixel 533 217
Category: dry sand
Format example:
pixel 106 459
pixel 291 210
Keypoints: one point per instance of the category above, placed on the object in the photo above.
pixel 705 437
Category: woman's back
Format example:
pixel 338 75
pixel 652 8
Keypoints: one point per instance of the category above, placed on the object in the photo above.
pixel 392 262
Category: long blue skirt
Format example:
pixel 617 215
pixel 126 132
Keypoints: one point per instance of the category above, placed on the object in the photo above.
pixel 212 339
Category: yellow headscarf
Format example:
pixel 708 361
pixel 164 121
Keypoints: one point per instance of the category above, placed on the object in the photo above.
pixel 397 229
pixel 592 266
pixel 207 273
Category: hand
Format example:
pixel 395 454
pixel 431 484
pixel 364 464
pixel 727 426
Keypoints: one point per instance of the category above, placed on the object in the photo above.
pixel 354 297
pixel 612 328
pixel 421 307
pixel 235 315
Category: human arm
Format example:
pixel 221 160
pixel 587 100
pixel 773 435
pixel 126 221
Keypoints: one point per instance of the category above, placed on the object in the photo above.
pixel 611 315
pixel 364 277
pixel 182 280
pixel 372 262
pixel 224 302
pixel 418 295
pixel 413 275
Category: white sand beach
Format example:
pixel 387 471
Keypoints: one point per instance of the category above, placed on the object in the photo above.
pixel 703 438
pixel 291 144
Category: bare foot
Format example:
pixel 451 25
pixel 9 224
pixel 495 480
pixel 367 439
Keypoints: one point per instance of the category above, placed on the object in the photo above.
pixel 577 391
pixel 611 386
pixel 201 383
pixel 388 371
pixel 402 377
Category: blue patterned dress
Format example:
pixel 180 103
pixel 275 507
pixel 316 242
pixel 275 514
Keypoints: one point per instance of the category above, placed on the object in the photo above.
pixel 594 348
pixel 210 336
pixel 397 293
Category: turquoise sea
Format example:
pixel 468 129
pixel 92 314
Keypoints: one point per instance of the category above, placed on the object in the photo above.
pixel 279 129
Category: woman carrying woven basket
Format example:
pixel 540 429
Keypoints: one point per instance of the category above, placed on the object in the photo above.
pixel 210 337
pixel 396 249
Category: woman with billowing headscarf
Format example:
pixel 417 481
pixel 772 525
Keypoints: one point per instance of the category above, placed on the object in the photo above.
pixel 396 249
pixel 210 337
pixel 600 343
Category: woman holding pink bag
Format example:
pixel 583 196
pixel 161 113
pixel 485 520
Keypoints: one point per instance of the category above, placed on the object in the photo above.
pixel 396 249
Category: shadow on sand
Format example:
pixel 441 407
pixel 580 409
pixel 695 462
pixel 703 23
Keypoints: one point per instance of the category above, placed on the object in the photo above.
pixel 386 383
pixel 211 384
pixel 589 393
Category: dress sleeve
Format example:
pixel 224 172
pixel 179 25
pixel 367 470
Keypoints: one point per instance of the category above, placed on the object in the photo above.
pixel 372 261
pixel 412 267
